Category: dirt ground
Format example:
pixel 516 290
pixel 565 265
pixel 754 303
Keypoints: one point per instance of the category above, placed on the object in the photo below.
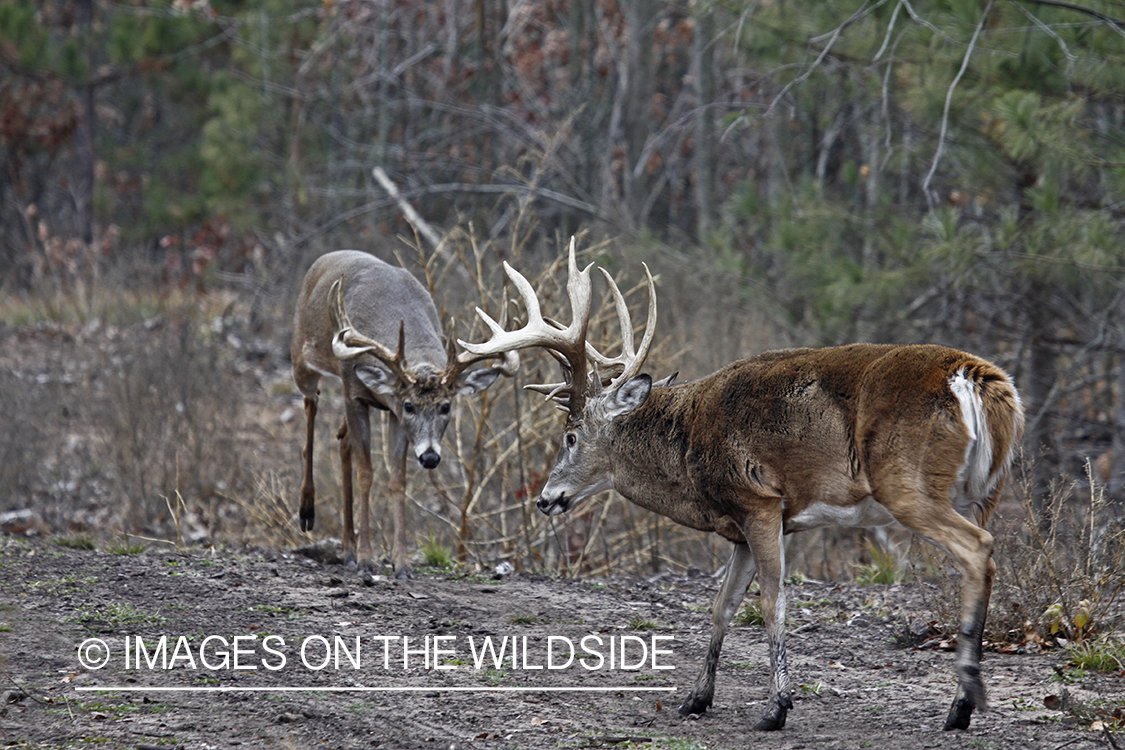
pixel 854 685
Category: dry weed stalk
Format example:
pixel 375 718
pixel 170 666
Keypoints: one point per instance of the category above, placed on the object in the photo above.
pixel 267 511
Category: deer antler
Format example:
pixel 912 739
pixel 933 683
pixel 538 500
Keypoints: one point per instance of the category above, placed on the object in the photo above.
pixel 568 343
pixel 348 343
pixel 630 360
pixel 459 361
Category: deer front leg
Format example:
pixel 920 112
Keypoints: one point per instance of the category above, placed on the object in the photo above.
pixel 346 490
pixel 763 533
pixel 396 465
pixel 307 513
pixel 358 432
pixel 740 571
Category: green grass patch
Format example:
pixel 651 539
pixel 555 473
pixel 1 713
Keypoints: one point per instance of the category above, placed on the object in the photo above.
pixel 1099 655
pixel 883 568
pixel 80 541
pixel 116 617
pixel 524 620
pixel 436 555
pixel 125 547
pixel 750 614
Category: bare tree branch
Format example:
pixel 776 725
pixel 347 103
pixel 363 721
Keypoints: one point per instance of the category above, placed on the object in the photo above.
pixel 1118 26
pixel 415 219
pixel 832 37
pixel 948 102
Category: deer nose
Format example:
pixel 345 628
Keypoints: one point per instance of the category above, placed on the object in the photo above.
pixel 430 459
pixel 553 507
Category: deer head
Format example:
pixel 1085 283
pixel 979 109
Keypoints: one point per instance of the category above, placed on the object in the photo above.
pixel 421 397
pixel 596 389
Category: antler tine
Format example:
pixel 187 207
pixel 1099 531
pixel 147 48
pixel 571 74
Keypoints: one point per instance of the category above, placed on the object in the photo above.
pixel 567 344
pixel 511 357
pixel 630 360
pixel 348 343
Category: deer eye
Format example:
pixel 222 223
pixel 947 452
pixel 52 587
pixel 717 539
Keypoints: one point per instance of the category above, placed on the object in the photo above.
pixel 571 439
pixel 408 407
pixel 445 408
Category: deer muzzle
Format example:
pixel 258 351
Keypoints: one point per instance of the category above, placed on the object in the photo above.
pixel 429 459
pixel 553 506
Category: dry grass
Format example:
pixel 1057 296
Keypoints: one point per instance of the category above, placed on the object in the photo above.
pixel 169 417
pixel 24 402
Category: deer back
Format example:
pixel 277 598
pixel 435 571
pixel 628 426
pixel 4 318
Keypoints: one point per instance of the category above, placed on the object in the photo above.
pixel 377 297
pixel 817 426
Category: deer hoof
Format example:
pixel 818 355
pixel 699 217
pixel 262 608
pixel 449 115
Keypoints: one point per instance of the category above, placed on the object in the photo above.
pixel 775 716
pixel 695 704
pixel 959 714
pixel 308 518
pixel 772 721
pixel 404 572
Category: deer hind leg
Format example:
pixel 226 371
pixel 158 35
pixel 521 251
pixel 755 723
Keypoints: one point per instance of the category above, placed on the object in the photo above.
pixel 932 515
pixel 763 534
pixel 346 490
pixel 740 571
pixel 396 465
pixel 307 513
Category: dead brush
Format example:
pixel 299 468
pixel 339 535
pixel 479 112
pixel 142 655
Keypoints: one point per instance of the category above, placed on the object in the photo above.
pixel 267 514
pixel 1063 580
pixel 1059 581
pixel 169 417
pixel 23 402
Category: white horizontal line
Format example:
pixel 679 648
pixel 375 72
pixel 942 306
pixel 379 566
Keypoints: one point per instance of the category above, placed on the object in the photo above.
pixel 232 689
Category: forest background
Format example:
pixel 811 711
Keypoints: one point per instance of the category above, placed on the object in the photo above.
pixel 795 173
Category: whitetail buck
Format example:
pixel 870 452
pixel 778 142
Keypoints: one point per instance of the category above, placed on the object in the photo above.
pixel 375 327
pixel 857 435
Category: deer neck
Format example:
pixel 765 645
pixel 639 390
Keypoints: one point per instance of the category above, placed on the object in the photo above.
pixel 650 450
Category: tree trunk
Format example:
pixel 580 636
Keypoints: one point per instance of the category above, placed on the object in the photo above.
pixel 1117 457
pixel 637 96
pixel 703 60
pixel 82 187
pixel 1041 376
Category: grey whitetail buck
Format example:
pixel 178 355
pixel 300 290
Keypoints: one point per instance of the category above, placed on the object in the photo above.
pixel 788 440
pixel 375 327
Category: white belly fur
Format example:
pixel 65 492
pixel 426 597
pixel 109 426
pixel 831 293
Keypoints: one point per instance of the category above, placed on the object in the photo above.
pixel 865 513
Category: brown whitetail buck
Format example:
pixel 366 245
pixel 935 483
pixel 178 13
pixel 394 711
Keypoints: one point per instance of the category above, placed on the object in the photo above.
pixel 351 311
pixel 857 435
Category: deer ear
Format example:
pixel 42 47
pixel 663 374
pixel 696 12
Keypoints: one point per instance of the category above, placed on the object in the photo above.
pixel 629 396
pixel 476 381
pixel 376 379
